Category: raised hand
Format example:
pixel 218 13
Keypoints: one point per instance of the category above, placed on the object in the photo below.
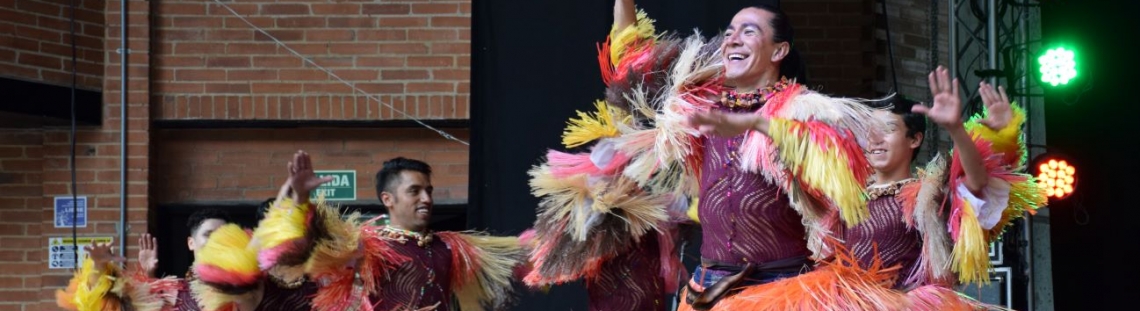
pixel 947 108
pixel 726 124
pixel 998 112
pixel 302 177
pixel 148 253
pixel 101 254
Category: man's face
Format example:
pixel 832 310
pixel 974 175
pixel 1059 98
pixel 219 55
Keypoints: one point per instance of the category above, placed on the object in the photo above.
pixel 409 201
pixel 749 49
pixel 199 237
pixel 892 149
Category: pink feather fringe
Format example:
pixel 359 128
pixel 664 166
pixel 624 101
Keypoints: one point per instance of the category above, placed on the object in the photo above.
pixel 217 275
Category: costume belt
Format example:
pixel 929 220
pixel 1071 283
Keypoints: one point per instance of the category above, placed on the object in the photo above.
pixel 705 299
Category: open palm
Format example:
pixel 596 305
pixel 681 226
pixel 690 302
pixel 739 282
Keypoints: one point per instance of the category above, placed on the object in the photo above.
pixel 148 253
pixel 947 108
pixel 303 179
pixel 101 254
pixel 998 112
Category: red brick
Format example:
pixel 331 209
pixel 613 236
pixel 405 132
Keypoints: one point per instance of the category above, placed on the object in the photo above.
pixel 276 62
pixel 382 35
pixel 385 9
pixel 430 61
pixel 281 35
pixel 352 22
pixel 199 75
pixel 378 88
pixel 404 75
pixel 403 48
pixel 9 282
pixel 432 34
pixel 329 35
pixel 259 88
pixel 352 48
pixel 200 22
pixel 451 21
pixel 430 87
pixel 199 48
pixel 301 22
pixel 233 88
pixel 302 75
pixel 435 8
pixel 384 61
pixel 284 9
pixel 398 22
pixel 335 8
pixel 229 35
pixel 251 75
pixel 42 61
pixel 238 48
pixel 451 74
pixel 228 62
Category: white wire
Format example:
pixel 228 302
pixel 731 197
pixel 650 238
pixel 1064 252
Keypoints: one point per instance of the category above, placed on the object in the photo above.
pixel 338 78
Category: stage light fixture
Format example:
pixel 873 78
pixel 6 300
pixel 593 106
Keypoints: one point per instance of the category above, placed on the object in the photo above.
pixel 1056 174
pixel 1057 66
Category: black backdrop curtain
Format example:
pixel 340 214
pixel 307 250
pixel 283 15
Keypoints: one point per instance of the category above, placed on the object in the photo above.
pixel 533 64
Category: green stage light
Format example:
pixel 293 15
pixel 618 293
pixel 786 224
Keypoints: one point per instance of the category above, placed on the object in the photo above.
pixel 1057 66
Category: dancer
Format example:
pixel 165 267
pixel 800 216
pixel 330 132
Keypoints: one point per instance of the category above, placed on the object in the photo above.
pixel 714 121
pixel 402 266
pixel 907 255
pixel 100 285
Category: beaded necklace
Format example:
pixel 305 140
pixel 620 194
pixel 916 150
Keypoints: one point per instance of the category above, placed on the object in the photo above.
pixel 876 191
pixel 732 99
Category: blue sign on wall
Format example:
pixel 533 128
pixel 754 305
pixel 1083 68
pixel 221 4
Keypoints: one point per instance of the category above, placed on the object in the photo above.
pixel 63 214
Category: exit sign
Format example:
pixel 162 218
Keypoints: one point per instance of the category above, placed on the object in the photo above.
pixel 341 188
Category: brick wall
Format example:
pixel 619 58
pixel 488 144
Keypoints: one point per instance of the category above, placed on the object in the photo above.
pixel 912 39
pixel 35 41
pixel 46 171
pixel 834 38
pixel 21 194
pixel 414 55
pixel 249 165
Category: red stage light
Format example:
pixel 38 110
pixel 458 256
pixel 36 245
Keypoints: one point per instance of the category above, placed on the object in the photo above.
pixel 1056 174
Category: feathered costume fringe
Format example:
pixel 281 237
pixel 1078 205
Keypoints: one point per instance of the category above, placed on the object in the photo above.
pixel 226 261
pixel 135 289
pixel 82 296
pixel 348 258
pixel 227 270
pixel 592 126
pixel 592 211
pixel 581 225
pixel 922 211
pixel 482 267
pixel 282 234
pixel 1003 153
pixel 841 284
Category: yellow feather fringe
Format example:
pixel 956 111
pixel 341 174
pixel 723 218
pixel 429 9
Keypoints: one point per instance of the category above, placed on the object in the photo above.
pixel 227 248
pixel 591 126
pixel 825 170
pixel 970 256
pixel 334 253
pixel 1005 140
pixel 92 298
pixel 210 299
pixel 284 222
pixel 621 40
pixel 494 266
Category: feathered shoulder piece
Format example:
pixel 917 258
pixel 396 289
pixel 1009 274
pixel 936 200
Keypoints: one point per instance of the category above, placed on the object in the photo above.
pixel 977 219
pixel 815 145
pixel 91 290
pixel 481 268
